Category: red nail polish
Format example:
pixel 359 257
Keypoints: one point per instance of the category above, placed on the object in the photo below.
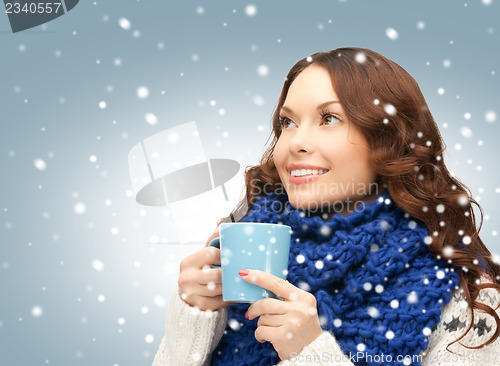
pixel 243 272
pixel 246 315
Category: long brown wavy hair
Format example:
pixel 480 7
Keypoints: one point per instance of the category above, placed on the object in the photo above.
pixel 407 156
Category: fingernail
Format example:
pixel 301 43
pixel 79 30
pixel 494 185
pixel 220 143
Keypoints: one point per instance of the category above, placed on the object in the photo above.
pixel 244 272
pixel 246 315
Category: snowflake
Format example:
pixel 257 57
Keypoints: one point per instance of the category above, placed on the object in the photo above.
pixel 325 230
pixel 373 312
pixel 391 33
pixel 412 297
pixel 234 324
pixel 300 258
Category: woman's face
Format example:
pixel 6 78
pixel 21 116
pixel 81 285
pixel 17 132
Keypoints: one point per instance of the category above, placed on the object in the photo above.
pixel 322 158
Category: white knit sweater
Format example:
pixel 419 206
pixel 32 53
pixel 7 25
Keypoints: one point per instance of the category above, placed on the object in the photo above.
pixel 192 335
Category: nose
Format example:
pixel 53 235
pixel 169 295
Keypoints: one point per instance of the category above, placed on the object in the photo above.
pixel 302 141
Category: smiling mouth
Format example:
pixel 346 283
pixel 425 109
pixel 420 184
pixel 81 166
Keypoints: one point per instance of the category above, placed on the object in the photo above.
pixel 307 172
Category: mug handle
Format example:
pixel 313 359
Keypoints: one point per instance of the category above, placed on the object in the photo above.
pixel 215 242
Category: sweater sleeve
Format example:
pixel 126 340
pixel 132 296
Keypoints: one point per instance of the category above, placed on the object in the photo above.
pixel 455 319
pixel 191 335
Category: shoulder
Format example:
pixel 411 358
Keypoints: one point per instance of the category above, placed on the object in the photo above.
pixel 456 318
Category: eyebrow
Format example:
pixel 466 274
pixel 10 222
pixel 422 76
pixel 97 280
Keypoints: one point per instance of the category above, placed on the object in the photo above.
pixel 319 107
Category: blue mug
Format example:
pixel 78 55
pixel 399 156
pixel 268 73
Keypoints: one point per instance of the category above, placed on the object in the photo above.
pixel 251 245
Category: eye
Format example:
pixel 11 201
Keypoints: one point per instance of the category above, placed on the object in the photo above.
pixel 330 119
pixel 285 122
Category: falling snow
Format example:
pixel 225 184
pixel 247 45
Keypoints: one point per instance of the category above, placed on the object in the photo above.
pixel 263 70
pixel 325 230
pixel 373 312
pixel 234 324
pixel 40 164
pixel 391 33
pixel 394 304
pixel 124 23
pixel 36 311
pixel 142 92
pixel 251 10
pixel 304 286
pixel 463 200
pixel 390 109
pixel 151 119
pixel 57 153
pixel 160 301
pixel 80 208
pixel 448 251
pixel 300 258
pixel 360 57
pixel 412 297
pixel 490 116
pixel 466 132
pixel 98 265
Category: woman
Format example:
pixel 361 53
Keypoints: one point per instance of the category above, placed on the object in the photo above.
pixel 386 265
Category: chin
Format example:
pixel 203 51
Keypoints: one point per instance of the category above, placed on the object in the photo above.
pixel 304 203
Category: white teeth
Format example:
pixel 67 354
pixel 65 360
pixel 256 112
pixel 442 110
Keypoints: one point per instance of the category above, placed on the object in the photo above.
pixel 302 172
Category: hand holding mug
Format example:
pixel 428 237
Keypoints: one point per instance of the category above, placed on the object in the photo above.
pixel 200 285
pixel 289 324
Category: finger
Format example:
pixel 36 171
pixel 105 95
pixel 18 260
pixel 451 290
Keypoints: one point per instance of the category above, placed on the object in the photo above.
pixel 209 290
pixel 266 306
pixel 195 290
pixel 205 256
pixel 213 236
pixel 212 255
pixel 192 276
pixel 204 303
pixel 278 286
pixel 209 274
pixel 195 281
pixel 264 333
pixel 272 320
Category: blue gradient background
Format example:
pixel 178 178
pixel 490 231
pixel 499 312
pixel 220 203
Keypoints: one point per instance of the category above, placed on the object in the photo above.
pixel 53 77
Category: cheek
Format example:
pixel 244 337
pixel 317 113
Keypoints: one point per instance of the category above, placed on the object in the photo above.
pixel 351 161
pixel 363 167
pixel 279 155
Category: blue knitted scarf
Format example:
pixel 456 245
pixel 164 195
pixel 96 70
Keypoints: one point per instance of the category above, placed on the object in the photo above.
pixel 379 291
